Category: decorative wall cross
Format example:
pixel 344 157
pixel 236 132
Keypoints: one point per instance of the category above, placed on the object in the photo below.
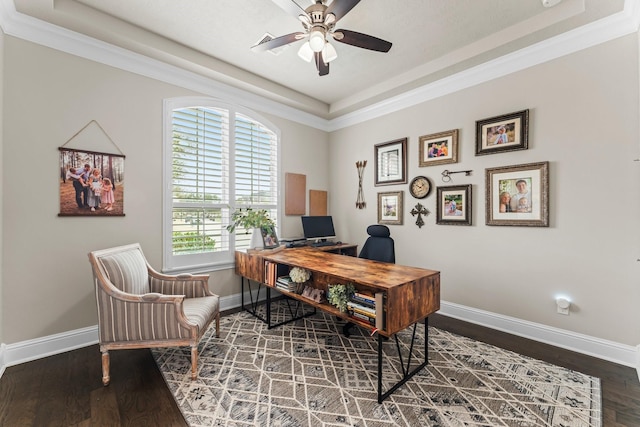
pixel 360 203
pixel 419 210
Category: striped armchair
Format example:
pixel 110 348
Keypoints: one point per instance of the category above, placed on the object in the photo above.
pixel 141 308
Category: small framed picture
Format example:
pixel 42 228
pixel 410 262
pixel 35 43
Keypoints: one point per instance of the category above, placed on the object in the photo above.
pixel 269 238
pixel 390 208
pixel 454 205
pixel 438 148
pixel 509 132
pixel 518 195
pixel 391 162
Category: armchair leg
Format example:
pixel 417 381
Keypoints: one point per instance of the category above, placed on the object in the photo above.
pixel 194 362
pixel 218 325
pixel 105 368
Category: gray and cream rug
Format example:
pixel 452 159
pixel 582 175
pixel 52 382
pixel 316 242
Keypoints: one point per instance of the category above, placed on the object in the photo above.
pixel 306 373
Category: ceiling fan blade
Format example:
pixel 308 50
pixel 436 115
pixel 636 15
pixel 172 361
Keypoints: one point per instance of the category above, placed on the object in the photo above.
pixel 341 7
pixel 364 41
pixel 291 7
pixel 323 68
pixel 277 42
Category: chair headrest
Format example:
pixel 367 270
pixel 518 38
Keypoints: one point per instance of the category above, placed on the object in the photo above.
pixel 378 231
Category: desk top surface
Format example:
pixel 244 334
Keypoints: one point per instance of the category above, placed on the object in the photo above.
pixel 359 270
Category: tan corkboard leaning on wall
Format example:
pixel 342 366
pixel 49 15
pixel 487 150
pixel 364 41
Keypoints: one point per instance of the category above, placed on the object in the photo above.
pixel 295 187
pixel 317 203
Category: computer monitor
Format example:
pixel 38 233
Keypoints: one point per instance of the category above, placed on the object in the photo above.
pixel 318 228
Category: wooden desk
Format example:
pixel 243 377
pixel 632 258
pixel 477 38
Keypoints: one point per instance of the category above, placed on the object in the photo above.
pixel 411 293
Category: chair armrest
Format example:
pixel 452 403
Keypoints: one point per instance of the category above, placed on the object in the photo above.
pixel 189 285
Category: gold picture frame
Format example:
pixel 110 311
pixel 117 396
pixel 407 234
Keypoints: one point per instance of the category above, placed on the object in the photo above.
pixel 390 207
pixel 438 148
pixel 518 195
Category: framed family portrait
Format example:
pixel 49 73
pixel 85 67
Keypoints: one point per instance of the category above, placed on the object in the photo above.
pixel 509 132
pixel 391 162
pixel 438 148
pixel 454 205
pixel 269 238
pixel 91 183
pixel 390 208
pixel 518 195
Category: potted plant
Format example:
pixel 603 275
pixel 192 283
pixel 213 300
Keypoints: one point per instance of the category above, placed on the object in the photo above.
pixel 339 295
pixel 256 220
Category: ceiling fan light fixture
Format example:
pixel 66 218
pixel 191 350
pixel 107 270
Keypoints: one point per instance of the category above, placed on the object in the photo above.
pixel 329 53
pixel 316 39
pixel 305 52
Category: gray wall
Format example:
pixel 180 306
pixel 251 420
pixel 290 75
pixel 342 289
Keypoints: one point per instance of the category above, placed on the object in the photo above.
pixel 51 96
pixel 584 121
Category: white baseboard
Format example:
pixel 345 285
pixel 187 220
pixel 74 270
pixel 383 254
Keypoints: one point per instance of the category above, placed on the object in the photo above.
pixel 607 350
pixel 25 351
pixel 2 363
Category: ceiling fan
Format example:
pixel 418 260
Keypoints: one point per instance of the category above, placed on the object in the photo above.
pixel 319 22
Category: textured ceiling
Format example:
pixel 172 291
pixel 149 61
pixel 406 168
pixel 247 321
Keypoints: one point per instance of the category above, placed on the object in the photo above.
pixel 431 39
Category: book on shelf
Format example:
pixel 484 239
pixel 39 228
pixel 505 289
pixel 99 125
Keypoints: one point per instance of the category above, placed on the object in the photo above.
pixel 272 271
pixel 361 308
pixel 364 318
pixel 285 282
pixel 368 308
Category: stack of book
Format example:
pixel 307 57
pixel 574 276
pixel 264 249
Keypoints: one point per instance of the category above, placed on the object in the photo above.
pixel 368 308
pixel 285 282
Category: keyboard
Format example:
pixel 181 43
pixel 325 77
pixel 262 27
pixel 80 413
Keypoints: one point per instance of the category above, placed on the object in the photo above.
pixel 320 244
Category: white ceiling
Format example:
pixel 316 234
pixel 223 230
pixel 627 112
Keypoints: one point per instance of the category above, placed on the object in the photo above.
pixel 431 40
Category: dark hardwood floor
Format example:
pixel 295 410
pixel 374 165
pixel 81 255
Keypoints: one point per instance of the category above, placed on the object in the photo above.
pixel 66 389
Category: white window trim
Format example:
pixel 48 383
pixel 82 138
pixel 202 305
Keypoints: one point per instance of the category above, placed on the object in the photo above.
pixel 226 259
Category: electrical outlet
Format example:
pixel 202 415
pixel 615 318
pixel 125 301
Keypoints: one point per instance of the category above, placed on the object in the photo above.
pixel 563 305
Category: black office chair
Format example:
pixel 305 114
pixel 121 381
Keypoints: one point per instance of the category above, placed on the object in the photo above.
pixel 379 246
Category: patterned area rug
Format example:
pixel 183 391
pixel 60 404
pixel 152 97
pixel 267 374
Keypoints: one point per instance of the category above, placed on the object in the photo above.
pixel 306 373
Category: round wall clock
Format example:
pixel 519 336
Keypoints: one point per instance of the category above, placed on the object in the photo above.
pixel 420 187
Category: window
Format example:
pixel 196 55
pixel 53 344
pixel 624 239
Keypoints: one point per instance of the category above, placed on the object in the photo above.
pixel 217 158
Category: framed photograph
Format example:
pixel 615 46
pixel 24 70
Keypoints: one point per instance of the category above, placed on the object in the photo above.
pixel 439 148
pixel 269 238
pixel 518 195
pixel 390 208
pixel 91 183
pixel 509 132
pixel 454 205
pixel 391 162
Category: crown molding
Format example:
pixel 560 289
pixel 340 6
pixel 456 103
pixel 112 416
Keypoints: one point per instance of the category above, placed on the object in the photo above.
pixel 34 30
pixel 601 31
pixel 43 33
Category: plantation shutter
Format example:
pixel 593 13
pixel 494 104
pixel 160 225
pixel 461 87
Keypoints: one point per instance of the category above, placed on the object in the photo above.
pixel 216 161
pixel 200 171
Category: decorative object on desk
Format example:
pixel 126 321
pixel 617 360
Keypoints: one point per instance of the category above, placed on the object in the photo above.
pixel 518 195
pixel 257 220
pixel 420 187
pixel 339 295
pixel 360 203
pixel 269 238
pixel 390 208
pixel 509 132
pixel 419 210
pixel 439 148
pixel 454 205
pixel 391 162
pixel 314 294
pixel 299 274
pixel 446 174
